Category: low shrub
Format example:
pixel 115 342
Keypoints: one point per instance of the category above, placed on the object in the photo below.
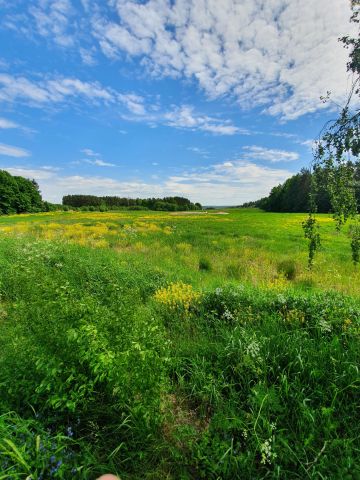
pixel 204 264
pixel 78 343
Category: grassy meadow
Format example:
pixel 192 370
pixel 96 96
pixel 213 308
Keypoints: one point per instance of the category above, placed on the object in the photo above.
pixel 177 346
pixel 263 249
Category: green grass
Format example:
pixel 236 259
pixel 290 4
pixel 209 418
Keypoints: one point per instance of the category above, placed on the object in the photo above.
pixel 252 373
pixel 246 245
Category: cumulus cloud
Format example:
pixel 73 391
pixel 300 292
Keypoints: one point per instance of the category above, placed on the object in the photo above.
pixel 279 54
pixel 54 19
pixel 11 151
pixel 227 183
pixel 134 103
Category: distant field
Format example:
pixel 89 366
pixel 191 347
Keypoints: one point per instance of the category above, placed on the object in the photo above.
pixel 264 249
pixel 177 347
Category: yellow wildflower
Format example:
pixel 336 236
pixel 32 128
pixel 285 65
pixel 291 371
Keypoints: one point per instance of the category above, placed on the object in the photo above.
pixel 177 296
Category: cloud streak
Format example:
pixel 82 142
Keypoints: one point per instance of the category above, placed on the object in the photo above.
pixel 269 155
pixel 11 151
pixel 95 158
pixel 136 108
pixel 5 124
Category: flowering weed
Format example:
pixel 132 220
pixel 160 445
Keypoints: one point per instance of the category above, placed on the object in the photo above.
pixel 179 297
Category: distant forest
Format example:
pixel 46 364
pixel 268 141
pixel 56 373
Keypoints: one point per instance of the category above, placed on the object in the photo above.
pixel 20 195
pixel 293 194
pixel 170 204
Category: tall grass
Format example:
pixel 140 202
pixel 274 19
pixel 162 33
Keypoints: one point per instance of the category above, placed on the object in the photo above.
pixel 171 371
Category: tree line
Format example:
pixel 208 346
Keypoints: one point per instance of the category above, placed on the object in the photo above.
pixel 20 195
pixel 113 202
pixel 295 194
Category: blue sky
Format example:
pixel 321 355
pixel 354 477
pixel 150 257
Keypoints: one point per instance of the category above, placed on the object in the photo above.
pixel 214 100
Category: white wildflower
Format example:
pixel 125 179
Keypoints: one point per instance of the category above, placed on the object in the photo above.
pixel 266 452
pixel 253 349
pixel 325 326
pixel 228 315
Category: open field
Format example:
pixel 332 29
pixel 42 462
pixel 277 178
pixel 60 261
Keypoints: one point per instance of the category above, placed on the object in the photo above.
pixel 164 346
pixel 208 249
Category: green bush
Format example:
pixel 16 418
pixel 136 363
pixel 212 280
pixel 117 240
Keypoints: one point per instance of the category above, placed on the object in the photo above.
pixel 78 342
pixel 204 264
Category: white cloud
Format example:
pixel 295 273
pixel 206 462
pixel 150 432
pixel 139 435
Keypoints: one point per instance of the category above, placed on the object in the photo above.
pixel 89 152
pixel 55 90
pixel 269 154
pixel 279 54
pixel 38 174
pixel 88 56
pixel 60 90
pixel 54 19
pixel 134 103
pixel 185 117
pixel 182 117
pixel 100 163
pixel 199 151
pixel 227 183
pixel 11 151
pixel 50 168
pixel 310 144
pixel 4 123
pixel 95 158
pixel 113 37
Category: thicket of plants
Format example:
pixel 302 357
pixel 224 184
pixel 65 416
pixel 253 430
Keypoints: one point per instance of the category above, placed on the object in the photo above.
pixel 106 202
pixel 18 195
pixel 107 366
